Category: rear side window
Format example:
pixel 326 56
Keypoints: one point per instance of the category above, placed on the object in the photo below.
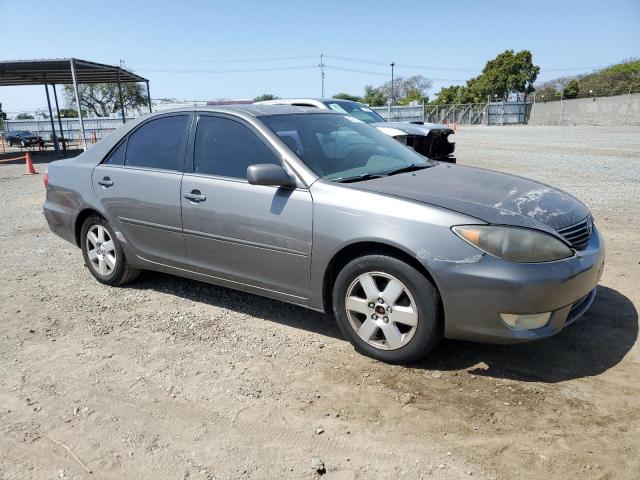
pixel 117 155
pixel 159 143
pixel 226 148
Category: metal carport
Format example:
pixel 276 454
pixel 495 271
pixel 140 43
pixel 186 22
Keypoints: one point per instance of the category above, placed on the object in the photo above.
pixel 65 71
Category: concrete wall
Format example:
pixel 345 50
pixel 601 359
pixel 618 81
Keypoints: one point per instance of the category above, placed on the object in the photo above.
pixel 618 110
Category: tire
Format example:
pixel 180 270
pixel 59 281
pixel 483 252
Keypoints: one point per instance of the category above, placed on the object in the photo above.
pixel 403 330
pixel 103 254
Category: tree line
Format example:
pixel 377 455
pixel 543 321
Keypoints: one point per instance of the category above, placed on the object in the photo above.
pixel 618 79
pixel 509 74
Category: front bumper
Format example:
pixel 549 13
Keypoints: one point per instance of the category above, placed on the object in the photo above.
pixel 475 294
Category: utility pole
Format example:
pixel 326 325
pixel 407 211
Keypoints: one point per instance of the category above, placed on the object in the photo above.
pixel 322 74
pixel 393 64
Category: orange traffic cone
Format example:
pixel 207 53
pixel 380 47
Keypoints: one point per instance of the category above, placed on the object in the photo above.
pixel 29 165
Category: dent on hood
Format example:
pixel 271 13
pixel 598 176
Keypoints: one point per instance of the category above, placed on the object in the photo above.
pixel 541 204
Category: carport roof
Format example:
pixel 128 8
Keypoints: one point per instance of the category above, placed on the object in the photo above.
pixel 57 71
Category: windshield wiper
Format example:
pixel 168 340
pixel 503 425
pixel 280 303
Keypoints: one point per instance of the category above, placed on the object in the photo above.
pixel 409 168
pixel 358 178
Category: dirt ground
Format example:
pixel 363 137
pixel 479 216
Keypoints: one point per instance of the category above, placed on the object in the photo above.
pixel 171 378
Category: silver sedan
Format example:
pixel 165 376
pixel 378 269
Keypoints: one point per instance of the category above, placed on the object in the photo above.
pixel 319 209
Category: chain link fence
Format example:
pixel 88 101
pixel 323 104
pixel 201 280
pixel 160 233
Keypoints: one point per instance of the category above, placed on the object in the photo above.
pixel 493 113
pixel 95 128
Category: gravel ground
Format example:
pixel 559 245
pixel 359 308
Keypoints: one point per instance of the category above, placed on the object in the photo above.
pixel 171 378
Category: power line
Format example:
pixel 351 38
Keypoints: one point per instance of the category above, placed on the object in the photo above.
pixel 228 70
pixel 357 60
pixel 234 60
pixel 369 72
pixel 421 67
pixel 354 70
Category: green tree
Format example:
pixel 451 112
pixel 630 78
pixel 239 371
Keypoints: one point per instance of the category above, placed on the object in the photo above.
pixel 572 89
pixel 24 116
pixel 347 96
pixel 373 96
pixel 264 97
pixel 102 99
pixel 508 73
pixel 613 80
pixel 68 113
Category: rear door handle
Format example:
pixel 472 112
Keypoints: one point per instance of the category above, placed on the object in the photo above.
pixel 195 196
pixel 105 182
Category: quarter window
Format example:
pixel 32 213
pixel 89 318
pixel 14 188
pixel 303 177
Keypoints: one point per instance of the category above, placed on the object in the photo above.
pixel 159 144
pixel 226 148
pixel 117 155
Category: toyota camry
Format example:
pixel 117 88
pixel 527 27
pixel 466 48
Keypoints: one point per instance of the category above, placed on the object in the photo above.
pixel 320 209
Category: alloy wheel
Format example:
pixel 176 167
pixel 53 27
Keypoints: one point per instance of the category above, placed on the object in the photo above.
pixel 381 310
pixel 101 250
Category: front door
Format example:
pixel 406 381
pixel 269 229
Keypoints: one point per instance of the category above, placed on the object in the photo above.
pixel 139 187
pixel 254 235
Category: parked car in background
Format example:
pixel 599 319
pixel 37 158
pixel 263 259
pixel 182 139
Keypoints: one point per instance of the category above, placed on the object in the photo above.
pixel 319 209
pixel 23 138
pixel 432 140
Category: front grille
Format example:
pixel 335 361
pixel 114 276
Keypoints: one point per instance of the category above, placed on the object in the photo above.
pixel 578 235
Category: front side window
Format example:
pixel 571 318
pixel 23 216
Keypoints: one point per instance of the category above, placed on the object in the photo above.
pixel 340 147
pixel 159 144
pixel 226 148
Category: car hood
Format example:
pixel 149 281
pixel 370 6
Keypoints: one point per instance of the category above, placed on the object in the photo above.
pixel 489 196
pixel 411 128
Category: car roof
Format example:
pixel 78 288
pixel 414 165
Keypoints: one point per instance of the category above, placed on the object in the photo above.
pixel 280 101
pixel 253 109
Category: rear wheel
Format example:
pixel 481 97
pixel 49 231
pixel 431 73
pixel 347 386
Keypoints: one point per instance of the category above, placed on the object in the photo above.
pixel 387 309
pixel 103 254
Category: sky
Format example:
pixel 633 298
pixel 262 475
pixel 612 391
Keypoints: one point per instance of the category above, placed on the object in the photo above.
pixel 187 48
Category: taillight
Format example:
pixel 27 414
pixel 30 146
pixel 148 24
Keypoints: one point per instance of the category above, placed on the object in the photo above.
pixel 46 179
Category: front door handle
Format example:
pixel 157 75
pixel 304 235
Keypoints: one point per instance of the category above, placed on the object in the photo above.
pixel 195 196
pixel 105 182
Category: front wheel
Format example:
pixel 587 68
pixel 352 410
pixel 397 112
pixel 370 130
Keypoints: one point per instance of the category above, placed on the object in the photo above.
pixel 103 254
pixel 387 309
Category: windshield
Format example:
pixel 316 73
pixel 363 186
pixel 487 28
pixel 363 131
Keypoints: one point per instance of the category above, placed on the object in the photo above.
pixel 340 147
pixel 358 110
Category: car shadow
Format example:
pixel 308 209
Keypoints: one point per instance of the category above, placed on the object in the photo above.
pixel 240 302
pixel 593 344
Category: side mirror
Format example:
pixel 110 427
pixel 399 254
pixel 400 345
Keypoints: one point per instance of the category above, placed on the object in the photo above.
pixel 270 174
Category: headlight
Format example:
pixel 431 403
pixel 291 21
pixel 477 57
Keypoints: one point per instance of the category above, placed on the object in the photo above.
pixel 515 244
pixel 451 138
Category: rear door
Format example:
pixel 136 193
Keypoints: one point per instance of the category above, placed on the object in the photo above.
pixel 139 187
pixel 250 234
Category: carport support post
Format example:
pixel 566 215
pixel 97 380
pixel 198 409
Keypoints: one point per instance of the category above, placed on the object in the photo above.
pixel 56 147
pixel 75 89
pixel 55 97
pixel 120 96
pixel 149 96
